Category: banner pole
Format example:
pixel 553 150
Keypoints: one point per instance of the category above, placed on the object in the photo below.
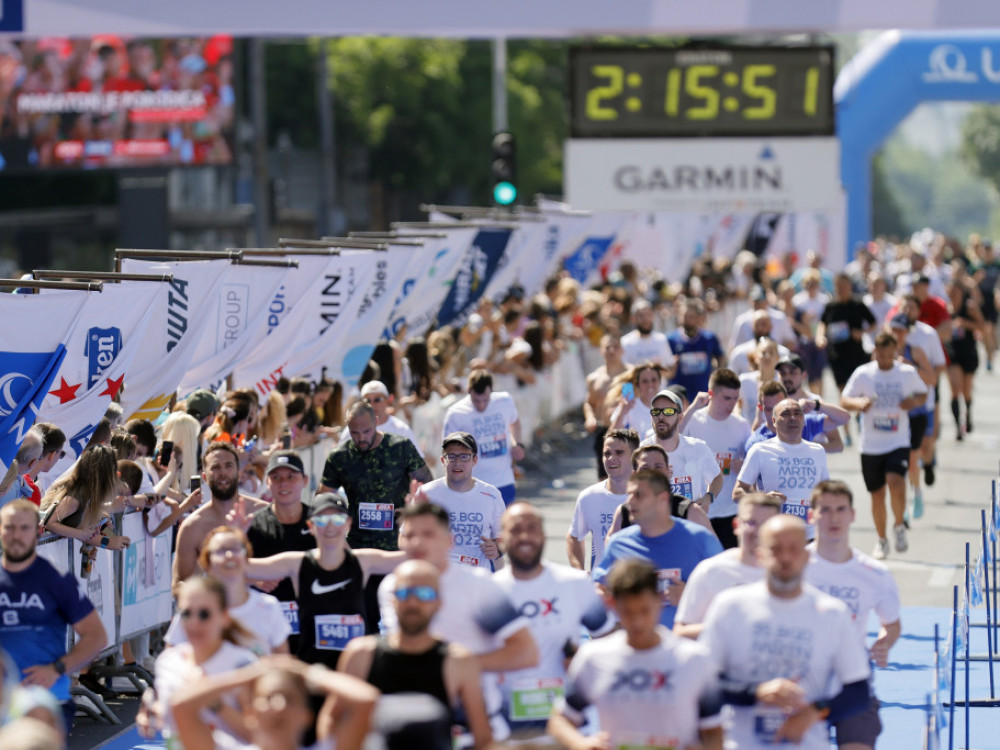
pixel 989 611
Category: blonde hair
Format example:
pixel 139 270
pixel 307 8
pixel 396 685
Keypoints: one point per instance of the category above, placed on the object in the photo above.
pixel 184 430
pixel 273 419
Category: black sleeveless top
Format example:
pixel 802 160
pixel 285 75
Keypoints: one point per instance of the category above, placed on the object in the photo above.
pixel 331 608
pixel 393 671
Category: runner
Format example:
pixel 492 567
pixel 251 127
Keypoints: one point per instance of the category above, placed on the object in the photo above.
pixel 595 412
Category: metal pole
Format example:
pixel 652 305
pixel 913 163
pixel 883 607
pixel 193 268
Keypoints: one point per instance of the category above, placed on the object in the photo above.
pixel 258 116
pixel 499 84
pixel 967 638
pixel 954 664
pixel 328 162
pixel 989 613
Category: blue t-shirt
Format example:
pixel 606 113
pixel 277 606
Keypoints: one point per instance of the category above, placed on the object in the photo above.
pixel 694 359
pixel 811 429
pixel 674 554
pixel 36 607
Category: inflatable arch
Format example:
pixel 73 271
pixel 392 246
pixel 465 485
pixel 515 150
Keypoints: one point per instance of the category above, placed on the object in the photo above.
pixel 885 81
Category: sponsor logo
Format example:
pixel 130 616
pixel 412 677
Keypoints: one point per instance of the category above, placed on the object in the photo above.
pixel 101 348
pixel 319 590
pixel 541 608
pixel 640 680
pixel 177 312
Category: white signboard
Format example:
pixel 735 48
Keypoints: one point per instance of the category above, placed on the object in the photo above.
pixel 703 175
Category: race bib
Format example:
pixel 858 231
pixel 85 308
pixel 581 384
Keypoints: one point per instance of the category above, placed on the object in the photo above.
pixel 291 612
pixel 376 516
pixel 838 332
pixel 668 576
pixel 683 486
pixel 798 508
pixel 766 723
pixel 493 447
pixel 693 363
pixel 725 461
pixel 334 631
pixel 886 422
pixel 639 741
pixel 532 699
pixel 466 560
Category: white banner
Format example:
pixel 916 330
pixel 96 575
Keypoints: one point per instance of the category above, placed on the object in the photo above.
pixel 563 233
pixel 419 262
pixel 146 571
pixel 100 586
pixel 480 19
pixel 525 248
pixel 56 551
pixel 347 361
pixel 238 319
pixel 100 354
pixel 179 320
pixel 704 175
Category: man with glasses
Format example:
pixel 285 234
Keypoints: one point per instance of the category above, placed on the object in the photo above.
pixel 474 507
pixel 37 604
pixel 695 474
pixel 329 582
pixel 786 466
pixel 412 660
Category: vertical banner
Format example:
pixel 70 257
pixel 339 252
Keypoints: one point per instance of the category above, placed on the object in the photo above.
pixel 564 231
pixel 146 570
pixel 32 348
pixel 582 264
pixel 526 246
pixel 172 338
pixel 100 586
pixel 474 275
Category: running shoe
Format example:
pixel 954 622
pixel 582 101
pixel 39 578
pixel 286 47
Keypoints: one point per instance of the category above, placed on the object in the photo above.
pixel 929 474
pixel 901 543
pixel 881 550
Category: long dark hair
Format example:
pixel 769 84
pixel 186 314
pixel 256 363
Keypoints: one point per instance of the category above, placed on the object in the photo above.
pixel 93 481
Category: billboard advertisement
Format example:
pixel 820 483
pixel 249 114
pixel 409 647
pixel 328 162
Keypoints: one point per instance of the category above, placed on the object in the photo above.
pixel 110 102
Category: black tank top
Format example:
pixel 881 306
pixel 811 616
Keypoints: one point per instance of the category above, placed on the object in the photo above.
pixel 331 608
pixel 393 671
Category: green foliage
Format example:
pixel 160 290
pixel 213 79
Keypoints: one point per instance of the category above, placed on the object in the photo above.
pixel 981 142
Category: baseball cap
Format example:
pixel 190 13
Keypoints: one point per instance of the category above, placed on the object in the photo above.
pixel 374 386
pixel 792 359
pixel 900 320
pixel 288 459
pixel 462 438
pixel 668 394
pixel 201 403
pixel 327 501
pixel 922 278
pixel 680 390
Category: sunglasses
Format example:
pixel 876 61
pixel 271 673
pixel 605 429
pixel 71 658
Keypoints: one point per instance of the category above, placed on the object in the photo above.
pixel 667 411
pixel 336 519
pixel 201 614
pixel 458 458
pixel 422 593
pixel 223 551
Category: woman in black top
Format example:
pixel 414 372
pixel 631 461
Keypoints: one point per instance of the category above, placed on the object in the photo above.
pixel 329 581
pixel 966 320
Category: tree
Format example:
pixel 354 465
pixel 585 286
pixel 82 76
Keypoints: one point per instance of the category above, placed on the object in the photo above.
pixel 981 142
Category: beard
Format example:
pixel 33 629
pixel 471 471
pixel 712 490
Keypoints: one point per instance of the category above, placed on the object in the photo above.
pixel 665 431
pixel 10 556
pixel 644 330
pixel 783 585
pixel 224 492
pixel 412 623
pixel 525 564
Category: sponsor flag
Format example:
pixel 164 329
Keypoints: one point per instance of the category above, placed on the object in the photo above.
pixel 238 318
pixel 474 275
pixel 526 246
pixel 584 261
pixel 32 348
pixel 100 353
pixel 563 233
pixel 179 321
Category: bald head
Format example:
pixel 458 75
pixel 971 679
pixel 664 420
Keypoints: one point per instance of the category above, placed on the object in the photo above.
pixel 761 323
pixel 782 553
pixel 417 573
pixel 522 534
pixel 415 603
pixel 788 420
pixel 518 511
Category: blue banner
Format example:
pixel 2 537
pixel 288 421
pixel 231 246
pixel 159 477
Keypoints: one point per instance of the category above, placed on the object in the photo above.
pixel 585 259
pixel 12 15
pixel 481 262
pixel 25 380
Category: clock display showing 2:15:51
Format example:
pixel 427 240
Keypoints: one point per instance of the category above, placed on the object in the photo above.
pixel 662 92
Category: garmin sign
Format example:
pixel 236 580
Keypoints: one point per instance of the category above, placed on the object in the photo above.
pixel 704 175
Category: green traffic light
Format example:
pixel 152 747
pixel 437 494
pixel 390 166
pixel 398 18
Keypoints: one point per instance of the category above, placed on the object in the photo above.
pixel 504 193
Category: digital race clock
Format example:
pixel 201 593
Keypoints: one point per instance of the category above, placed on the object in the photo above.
pixel 701 91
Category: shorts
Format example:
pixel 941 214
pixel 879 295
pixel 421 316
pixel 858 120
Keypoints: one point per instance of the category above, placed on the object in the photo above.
pixel 874 467
pixel 843 368
pixel 965 356
pixel 863 728
pixel 918 428
pixel 929 432
pixel 509 494
pixel 814 358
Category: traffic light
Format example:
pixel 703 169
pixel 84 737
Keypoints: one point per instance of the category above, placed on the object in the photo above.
pixel 502 169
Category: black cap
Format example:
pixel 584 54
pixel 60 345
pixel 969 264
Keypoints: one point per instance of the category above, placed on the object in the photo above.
pixel 679 389
pixel 462 438
pixel 792 359
pixel 328 500
pixel 900 320
pixel 922 278
pixel 288 459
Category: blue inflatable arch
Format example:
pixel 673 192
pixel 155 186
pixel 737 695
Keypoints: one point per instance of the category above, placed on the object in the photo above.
pixel 887 79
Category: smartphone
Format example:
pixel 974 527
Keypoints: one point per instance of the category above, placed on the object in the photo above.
pixel 195 482
pixel 628 391
pixel 286 441
pixel 166 451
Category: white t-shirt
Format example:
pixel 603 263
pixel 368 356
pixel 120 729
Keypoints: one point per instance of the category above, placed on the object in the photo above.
pixel 692 466
pixel 739 357
pixel 637 418
pixel 392 426
pixel 261 614
pixel 474 514
pixel 884 427
pixel 727 438
pixel 792 470
pixel 926 338
pixel 755 637
pixel 749 392
pixel 781 329
pixel 593 513
pixel 557 602
pixel 491 429
pixel 637 348
pixel 710 578
pixel 862 583
pixel 644 698
pixel 812 306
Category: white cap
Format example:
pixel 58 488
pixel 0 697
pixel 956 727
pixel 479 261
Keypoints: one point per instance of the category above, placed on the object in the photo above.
pixel 374 386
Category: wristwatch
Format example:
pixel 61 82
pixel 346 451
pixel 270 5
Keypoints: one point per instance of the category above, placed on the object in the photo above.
pixel 105 541
pixel 818 407
pixel 59 666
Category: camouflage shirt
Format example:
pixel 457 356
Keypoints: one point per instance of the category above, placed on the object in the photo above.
pixel 376 483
